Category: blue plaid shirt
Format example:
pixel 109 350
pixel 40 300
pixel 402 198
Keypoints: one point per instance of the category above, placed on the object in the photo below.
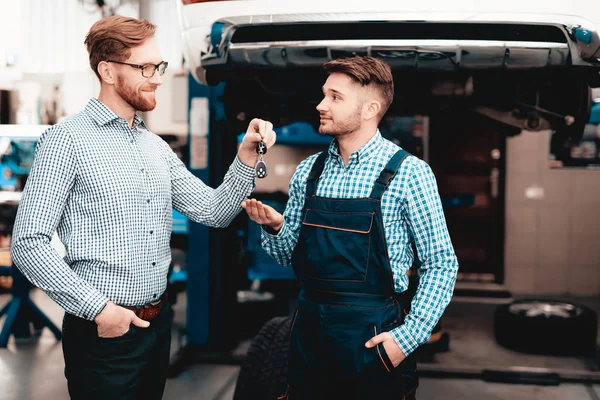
pixel 411 208
pixel 108 189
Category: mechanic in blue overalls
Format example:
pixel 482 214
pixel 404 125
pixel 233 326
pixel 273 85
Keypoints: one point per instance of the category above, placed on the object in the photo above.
pixel 352 215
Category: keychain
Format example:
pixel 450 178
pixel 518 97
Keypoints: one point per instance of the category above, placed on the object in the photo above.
pixel 261 166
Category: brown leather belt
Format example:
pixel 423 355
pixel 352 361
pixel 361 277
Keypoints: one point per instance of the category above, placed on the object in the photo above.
pixel 149 311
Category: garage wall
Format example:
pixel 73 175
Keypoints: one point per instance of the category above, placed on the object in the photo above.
pixel 47 36
pixel 552 239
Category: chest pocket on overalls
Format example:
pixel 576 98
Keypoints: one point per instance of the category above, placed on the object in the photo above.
pixel 337 244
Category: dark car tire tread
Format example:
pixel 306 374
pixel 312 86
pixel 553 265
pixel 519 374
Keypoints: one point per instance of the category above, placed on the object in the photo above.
pixel 263 374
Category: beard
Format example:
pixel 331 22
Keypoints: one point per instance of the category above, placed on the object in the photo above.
pixel 337 129
pixel 134 98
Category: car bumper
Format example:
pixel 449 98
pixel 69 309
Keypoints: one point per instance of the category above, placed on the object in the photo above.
pixel 284 41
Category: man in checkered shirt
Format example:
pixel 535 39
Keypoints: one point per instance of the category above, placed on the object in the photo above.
pixel 353 213
pixel 107 185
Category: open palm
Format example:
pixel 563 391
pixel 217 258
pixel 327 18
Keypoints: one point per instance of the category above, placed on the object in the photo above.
pixel 263 214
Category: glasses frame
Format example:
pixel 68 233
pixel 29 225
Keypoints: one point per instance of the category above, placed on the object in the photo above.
pixel 141 67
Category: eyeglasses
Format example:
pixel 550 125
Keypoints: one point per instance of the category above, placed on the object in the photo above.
pixel 148 70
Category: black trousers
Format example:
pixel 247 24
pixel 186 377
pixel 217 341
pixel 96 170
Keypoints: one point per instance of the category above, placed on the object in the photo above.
pixel 133 366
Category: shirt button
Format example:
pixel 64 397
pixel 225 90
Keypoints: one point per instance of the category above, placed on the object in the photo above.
pixel 147 200
pixel 154 295
pixel 151 232
pixel 153 263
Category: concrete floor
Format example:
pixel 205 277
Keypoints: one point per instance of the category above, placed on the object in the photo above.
pixel 32 369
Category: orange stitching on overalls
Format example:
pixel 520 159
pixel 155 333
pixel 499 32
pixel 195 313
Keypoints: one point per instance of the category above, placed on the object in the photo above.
pixel 293 322
pixel 379 352
pixel 338 229
pixel 285 395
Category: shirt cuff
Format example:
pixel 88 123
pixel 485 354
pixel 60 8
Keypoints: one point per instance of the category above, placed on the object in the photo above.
pixel 92 306
pixel 283 232
pixel 246 172
pixel 404 339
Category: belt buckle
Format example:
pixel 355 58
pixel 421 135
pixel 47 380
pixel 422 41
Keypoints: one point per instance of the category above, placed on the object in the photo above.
pixel 154 304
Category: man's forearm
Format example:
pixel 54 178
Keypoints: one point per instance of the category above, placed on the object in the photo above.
pixel 238 184
pixel 213 207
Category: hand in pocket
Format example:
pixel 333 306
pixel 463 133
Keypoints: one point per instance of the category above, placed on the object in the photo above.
pixel 393 351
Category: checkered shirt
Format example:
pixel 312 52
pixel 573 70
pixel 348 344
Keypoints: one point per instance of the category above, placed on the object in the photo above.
pixel 411 208
pixel 108 190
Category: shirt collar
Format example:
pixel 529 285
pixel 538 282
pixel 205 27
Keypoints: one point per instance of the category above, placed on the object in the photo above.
pixel 367 151
pixel 104 115
pixel 138 121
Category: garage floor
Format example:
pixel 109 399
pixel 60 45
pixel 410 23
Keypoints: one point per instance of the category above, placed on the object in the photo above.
pixel 32 369
pixel 470 324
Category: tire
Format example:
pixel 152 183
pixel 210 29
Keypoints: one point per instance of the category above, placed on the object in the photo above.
pixel 546 327
pixel 263 374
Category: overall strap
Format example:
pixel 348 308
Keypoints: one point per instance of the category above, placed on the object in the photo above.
pixel 315 173
pixel 388 174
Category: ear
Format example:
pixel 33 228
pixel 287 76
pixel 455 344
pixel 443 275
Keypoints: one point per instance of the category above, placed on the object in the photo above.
pixel 106 73
pixel 371 109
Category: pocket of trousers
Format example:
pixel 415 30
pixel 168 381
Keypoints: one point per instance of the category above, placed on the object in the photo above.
pixel 382 354
pixel 126 335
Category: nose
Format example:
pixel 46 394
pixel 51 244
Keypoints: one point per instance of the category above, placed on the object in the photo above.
pixel 321 107
pixel 156 79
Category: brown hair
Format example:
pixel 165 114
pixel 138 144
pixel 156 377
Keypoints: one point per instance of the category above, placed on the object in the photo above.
pixel 367 71
pixel 112 38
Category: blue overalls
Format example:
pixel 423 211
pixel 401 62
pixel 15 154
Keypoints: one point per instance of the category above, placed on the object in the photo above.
pixel 347 297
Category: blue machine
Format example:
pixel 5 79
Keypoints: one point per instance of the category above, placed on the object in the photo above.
pixel 16 161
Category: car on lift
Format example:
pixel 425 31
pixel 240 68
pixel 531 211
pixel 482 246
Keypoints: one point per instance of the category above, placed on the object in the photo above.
pixel 529 71
pixel 525 70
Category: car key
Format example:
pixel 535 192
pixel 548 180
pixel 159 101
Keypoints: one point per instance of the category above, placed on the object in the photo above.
pixel 261 166
pixel 261 147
